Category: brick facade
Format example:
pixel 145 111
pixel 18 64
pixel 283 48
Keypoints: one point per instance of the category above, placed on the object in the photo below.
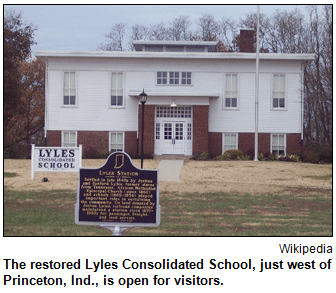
pixel 149 129
pixel 246 143
pixel 200 129
pixel 94 142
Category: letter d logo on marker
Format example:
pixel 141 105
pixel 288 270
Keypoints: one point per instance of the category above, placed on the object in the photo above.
pixel 119 161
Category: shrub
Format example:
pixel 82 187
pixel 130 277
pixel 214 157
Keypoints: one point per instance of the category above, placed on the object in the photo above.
pixel 287 159
pixel 233 155
pixel 202 156
pixel 307 156
pixel 324 152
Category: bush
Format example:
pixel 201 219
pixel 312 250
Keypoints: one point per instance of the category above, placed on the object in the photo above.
pixel 233 155
pixel 324 152
pixel 307 156
pixel 201 157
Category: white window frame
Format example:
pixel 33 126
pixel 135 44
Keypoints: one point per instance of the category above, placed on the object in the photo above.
pixel 223 141
pixel 273 92
pixel 168 78
pixel 187 78
pixel 110 139
pixel 64 89
pixel 162 78
pixel 285 143
pixel 225 91
pixel 64 132
pixel 116 89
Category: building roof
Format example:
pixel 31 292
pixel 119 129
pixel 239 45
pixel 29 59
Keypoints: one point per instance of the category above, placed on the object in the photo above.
pixel 173 55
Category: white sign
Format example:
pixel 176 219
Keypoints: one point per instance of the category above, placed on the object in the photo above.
pixel 55 159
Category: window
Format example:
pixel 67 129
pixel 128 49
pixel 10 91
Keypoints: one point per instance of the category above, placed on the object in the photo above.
pixel 230 141
pixel 186 78
pixel 116 141
pixel 173 112
pixel 278 144
pixel 174 77
pixel 161 77
pixel 69 88
pixel 117 89
pixel 189 132
pixel 231 91
pixel 69 139
pixel 279 90
pixel 157 131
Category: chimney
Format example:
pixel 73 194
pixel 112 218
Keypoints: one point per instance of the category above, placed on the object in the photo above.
pixel 246 43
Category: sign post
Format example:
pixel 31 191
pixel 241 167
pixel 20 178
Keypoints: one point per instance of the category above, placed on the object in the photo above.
pixel 118 196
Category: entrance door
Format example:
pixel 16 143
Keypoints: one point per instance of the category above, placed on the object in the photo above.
pixel 173 138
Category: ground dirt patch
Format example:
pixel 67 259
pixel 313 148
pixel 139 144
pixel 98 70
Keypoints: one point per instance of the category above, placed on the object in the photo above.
pixel 236 177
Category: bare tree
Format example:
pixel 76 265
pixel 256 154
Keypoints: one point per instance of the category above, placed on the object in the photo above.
pixel 209 27
pixel 116 37
pixel 178 30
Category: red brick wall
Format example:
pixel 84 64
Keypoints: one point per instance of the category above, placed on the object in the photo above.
pixel 215 143
pixel 94 141
pixel 200 129
pixel 149 129
pixel 54 138
pixel 131 142
pixel 293 143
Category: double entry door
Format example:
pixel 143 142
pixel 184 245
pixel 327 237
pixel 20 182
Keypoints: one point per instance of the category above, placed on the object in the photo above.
pixel 173 138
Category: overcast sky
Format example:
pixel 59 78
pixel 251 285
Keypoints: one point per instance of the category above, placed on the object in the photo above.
pixel 82 27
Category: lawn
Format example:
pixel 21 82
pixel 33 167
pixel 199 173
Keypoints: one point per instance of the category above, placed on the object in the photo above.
pixel 295 213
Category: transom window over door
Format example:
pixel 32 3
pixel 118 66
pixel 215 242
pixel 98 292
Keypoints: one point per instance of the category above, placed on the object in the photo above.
pixel 117 89
pixel 69 88
pixel 231 91
pixel 173 112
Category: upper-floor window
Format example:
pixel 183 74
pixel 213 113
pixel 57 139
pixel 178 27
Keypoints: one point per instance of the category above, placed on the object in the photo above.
pixel 186 78
pixel 279 91
pixel 69 88
pixel 231 91
pixel 173 78
pixel 69 139
pixel 117 95
pixel 161 77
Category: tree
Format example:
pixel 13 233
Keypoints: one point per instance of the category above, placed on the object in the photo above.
pixel 209 27
pixel 179 28
pixel 26 126
pixel 18 39
pixel 116 37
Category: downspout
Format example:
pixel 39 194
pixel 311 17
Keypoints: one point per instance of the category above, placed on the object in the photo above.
pixel 303 66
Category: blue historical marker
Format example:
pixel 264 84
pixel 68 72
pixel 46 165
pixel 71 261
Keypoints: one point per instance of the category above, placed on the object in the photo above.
pixel 118 195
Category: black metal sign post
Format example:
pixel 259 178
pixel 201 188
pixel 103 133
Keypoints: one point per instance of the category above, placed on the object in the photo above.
pixel 118 196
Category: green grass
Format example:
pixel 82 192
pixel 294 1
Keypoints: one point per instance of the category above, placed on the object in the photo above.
pixel 51 213
pixel 10 174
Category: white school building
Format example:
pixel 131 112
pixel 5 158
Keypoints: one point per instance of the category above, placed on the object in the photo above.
pixel 199 100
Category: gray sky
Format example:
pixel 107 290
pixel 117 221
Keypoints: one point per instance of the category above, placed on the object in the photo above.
pixel 82 27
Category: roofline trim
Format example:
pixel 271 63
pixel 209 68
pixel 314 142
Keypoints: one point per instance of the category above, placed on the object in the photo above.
pixel 173 55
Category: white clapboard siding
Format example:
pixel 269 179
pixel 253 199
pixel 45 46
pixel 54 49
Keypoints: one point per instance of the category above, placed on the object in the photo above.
pixel 92 111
